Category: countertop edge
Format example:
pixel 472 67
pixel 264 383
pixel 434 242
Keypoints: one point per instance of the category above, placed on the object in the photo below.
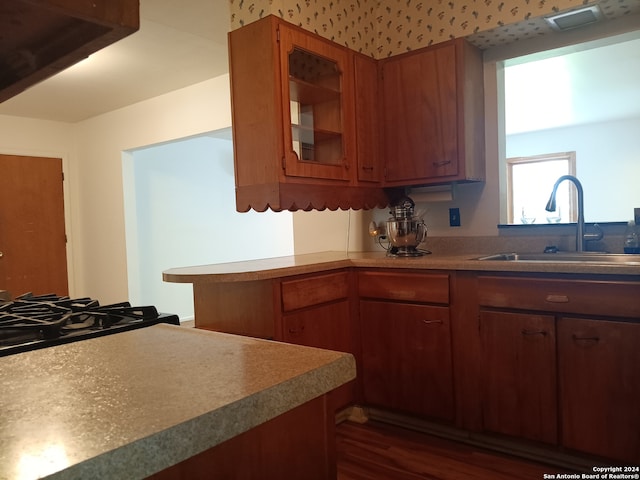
pixel 256 270
pixel 213 428
pixel 166 421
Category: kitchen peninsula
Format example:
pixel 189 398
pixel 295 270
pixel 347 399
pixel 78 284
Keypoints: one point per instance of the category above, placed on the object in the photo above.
pixel 168 399
pixel 496 351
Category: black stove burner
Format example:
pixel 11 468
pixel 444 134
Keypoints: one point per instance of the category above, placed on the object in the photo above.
pixel 30 322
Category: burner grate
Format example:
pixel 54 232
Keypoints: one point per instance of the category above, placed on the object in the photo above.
pixel 30 319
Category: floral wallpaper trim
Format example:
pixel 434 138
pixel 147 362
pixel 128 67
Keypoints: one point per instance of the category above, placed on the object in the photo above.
pixel 381 28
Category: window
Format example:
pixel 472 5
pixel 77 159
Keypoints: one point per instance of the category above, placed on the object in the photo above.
pixel 530 182
pixel 607 143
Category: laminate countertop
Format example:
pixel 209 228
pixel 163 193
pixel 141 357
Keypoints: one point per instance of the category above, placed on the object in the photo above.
pixel 134 403
pixel 317 262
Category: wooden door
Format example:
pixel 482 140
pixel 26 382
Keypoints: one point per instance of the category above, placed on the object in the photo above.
pixel 519 375
pixel 599 378
pixel 32 233
pixel 419 117
pixel 406 358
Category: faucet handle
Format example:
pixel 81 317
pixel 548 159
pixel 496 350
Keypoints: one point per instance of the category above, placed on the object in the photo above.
pixel 599 233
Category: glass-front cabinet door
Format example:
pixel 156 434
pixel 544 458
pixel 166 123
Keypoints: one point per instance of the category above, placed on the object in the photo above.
pixel 315 92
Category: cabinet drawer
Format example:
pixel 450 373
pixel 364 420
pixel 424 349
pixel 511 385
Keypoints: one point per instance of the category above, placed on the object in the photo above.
pixel 430 288
pixel 594 297
pixel 305 292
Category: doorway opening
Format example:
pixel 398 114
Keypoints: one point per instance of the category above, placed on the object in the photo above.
pixel 180 211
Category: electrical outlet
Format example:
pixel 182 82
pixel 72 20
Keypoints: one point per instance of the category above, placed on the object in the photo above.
pixel 454 217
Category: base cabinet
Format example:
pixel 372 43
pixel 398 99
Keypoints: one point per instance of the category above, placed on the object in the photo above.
pixel 405 335
pixel 562 351
pixel 317 311
pixel 599 372
pixel 324 326
pixel 297 444
pixel 406 358
pixel 519 375
pixel 544 358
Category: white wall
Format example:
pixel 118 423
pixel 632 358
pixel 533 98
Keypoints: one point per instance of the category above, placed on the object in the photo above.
pixel 102 140
pixel 180 211
pixel 92 153
pixel 321 231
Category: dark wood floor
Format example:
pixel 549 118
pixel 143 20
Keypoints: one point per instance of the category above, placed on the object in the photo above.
pixel 376 451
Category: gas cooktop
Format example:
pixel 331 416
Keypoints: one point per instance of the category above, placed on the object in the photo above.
pixel 30 322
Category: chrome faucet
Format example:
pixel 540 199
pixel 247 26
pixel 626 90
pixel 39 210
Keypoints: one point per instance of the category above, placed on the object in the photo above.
pixel 581 236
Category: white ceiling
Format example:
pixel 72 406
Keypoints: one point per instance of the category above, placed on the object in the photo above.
pixel 184 43
pixel 178 44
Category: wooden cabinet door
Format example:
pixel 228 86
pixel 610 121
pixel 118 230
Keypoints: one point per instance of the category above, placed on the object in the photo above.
pixel 317 105
pixel 519 375
pixel 599 379
pixel 419 115
pixel 367 103
pixel 325 326
pixel 406 358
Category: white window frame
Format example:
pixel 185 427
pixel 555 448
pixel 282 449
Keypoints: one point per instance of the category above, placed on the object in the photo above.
pixel 569 157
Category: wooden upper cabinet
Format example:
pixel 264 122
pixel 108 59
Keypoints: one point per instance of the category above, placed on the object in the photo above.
pixel 294 131
pixel 316 94
pixel 41 38
pixel 368 138
pixel 433 115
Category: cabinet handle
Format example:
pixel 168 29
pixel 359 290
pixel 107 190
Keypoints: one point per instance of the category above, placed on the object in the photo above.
pixel 533 332
pixel 557 299
pixel 367 168
pixel 427 322
pixel 441 164
pixel 578 339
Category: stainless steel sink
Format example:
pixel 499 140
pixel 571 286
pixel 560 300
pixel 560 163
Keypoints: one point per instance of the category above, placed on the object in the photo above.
pixel 567 257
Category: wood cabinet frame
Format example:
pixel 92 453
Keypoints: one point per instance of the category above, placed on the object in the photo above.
pixel 561 299
pixel 421 123
pixel 433 115
pixel 266 173
pixel 42 37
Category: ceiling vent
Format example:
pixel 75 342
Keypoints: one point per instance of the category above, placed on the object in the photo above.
pixel 575 18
